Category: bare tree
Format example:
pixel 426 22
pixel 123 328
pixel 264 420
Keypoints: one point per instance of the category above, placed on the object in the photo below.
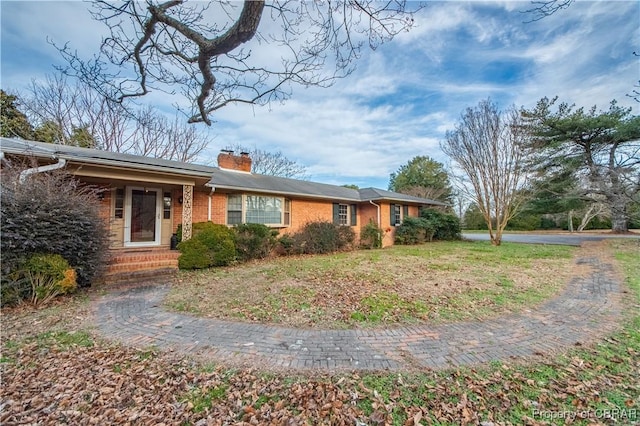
pixel 487 146
pixel 272 163
pixel 212 51
pixel 70 110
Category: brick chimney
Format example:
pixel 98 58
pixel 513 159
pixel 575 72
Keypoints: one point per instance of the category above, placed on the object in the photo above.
pixel 242 162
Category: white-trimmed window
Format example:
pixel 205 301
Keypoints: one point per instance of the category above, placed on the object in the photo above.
pixel 345 214
pixel 398 213
pixel 267 210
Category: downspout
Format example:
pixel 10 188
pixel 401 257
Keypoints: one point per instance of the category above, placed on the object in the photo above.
pixel 25 173
pixel 378 207
pixel 213 189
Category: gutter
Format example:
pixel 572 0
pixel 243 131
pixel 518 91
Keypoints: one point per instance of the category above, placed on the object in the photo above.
pixel 25 173
pixel 378 207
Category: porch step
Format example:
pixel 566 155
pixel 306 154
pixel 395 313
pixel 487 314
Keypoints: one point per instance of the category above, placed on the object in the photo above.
pixel 128 265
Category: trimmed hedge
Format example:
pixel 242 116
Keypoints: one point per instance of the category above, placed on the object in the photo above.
pixel 210 245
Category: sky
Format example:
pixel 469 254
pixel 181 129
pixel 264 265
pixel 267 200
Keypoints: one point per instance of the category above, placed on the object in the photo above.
pixel 403 97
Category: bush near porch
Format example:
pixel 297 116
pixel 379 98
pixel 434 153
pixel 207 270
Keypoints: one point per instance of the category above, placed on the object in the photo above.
pixel 50 214
pixel 217 245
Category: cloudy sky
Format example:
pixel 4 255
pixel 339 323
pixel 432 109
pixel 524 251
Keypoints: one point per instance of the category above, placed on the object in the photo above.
pixel 404 96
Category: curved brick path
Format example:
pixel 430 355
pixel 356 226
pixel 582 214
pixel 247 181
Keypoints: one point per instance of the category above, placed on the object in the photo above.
pixel 588 308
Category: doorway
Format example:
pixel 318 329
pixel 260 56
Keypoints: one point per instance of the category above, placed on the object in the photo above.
pixel 143 209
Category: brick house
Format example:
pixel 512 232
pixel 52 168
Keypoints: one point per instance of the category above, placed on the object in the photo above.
pixel 145 199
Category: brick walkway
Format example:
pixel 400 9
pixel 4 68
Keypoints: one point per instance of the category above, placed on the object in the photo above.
pixel 588 308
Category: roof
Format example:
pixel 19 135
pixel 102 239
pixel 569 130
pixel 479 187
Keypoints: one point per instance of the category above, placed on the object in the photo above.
pixel 242 181
pixel 219 178
pixel 101 158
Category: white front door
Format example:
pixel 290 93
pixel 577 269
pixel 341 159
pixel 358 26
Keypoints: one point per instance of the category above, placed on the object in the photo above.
pixel 143 209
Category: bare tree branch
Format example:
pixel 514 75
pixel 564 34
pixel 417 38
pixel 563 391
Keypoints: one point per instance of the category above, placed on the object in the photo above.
pixel 543 8
pixel 202 49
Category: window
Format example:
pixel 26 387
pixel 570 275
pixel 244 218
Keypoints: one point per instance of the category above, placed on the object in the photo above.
pixel 273 211
pixel 287 212
pixel 166 205
pixel 234 209
pixel 345 214
pixel 396 213
pixel 265 210
pixel 118 211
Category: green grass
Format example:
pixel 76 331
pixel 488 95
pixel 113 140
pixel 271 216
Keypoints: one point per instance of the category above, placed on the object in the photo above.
pixel 602 378
pixel 440 281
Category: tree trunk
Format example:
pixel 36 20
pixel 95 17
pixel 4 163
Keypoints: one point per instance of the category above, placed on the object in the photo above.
pixel 570 222
pixel 619 216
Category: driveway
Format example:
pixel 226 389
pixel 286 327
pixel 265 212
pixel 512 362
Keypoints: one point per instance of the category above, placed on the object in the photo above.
pixel 566 239
pixel 588 308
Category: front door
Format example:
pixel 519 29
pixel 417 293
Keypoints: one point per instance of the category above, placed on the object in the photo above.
pixel 143 207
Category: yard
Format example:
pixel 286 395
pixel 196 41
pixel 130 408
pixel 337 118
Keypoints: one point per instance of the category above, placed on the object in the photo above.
pixel 56 370
pixel 443 281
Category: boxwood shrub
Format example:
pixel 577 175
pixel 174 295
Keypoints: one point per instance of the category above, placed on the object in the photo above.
pixel 210 245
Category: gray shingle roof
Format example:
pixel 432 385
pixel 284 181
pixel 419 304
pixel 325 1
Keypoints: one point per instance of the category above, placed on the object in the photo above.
pixel 219 178
pixel 99 157
pixel 277 185
pixel 239 181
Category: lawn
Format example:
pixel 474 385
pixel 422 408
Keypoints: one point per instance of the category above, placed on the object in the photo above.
pixel 443 281
pixel 56 371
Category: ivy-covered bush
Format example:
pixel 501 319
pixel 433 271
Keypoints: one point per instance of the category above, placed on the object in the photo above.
pixel 210 245
pixel 50 213
pixel 254 241
pixel 371 236
pixel 321 237
pixel 48 276
pixel 446 226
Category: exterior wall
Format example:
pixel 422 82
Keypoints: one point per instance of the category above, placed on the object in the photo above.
pixel 305 211
pixel 385 224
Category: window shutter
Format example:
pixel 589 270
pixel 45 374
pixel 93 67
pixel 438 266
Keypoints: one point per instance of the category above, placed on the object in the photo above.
pixel 336 214
pixel 405 211
pixel 393 214
pixel 354 214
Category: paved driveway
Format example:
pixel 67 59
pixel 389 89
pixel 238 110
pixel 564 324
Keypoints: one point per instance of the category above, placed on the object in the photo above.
pixel 567 239
pixel 588 308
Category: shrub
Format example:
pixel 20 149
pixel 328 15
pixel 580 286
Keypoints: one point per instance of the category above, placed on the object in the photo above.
pixel 49 275
pixel 49 213
pixel 524 222
pixel 322 237
pixel 371 236
pixel 547 223
pixel 254 241
pixel 446 226
pixel 210 245
pixel 414 230
pixel 285 245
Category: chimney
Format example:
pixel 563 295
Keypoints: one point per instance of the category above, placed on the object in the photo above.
pixel 228 161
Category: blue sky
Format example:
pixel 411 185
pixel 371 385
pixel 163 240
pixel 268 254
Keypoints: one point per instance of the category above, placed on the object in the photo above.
pixel 404 96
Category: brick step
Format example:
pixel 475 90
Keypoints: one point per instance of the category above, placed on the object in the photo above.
pixel 138 255
pixel 142 266
pixel 155 275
